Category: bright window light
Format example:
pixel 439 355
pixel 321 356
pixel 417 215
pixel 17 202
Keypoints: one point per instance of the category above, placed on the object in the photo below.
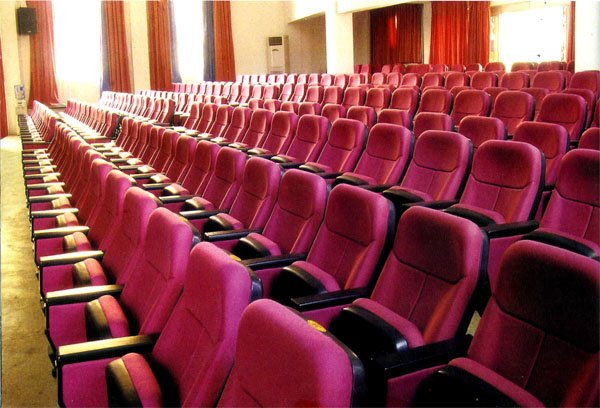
pixel 190 39
pixel 532 35
pixel 78 48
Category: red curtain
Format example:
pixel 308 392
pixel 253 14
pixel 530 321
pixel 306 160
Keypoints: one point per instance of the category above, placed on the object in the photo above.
pixel 460 32
pixel 43 81
pixel 396 34
pixel 3 119
pixel 478 37
pixel 223 40
pixel 571 33
pixel 117 53
pixel 159 44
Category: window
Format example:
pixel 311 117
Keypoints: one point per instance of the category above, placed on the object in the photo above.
pixel 78 48
pixel 189 38
pixel 531 32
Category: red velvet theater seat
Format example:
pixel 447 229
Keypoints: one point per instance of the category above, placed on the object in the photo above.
pixel 513 108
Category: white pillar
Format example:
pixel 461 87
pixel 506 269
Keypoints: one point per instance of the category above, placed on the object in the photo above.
pixel 587 35
pixel 339 38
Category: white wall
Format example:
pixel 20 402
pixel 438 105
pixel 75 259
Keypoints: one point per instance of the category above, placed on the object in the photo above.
pixel 307 45
pixel 15 58
pixel 587 38
pixel 252 22
pixel 298 10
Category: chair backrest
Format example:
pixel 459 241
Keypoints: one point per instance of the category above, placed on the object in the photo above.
pixel 431 121
pixel 441 255
pixel 573 210
pixel 436 100
pixel 333 112
pixel 298 212
pixel 482 80
pixel 353 96
pixel 209 111
pixel 245 92
pixel 155 282
pixel 538 94
pixel 127 246
pixel 406 99
pixel 590 139
pixel 519 66
pixel 386 155
pixel 202 166
pixel 515 81
pixel 256 195
pixel 314 93
pixel 240 120
pixel 481 129
pixel 209 311
pixel 364 114
pixel 266 374
pixel 378 98
pixel 396 117
pixel 439 165
pixel 222 120
pixel 326 80
pixel 224 182
pixel 474 66
pixel 549 66
pixel 153 135
pixel 586 80
pixel 344 145
pixel 363 238
pixel 283 130
pixel 332 94
pixel 299 92
pixel 567 110
pixel 354 80
pixel 260 124
pixel 505 181
pixel 494 91
pixel 411 79
pixel 590 100
pixel 108 210
pixel 432 79
pixel 456 79
pixel 184 156
pixel 166 153
pixel 513 108
pixel 470 102
pixel 495 66
pixel 341 80
pixel 393 80
pixel 378 78
pixel 286 92
pixel 553 81
pixel 310 138
pixel 549 296
pixel 551 139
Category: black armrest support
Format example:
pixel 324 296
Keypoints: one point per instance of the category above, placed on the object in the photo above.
pixel 95 350
pixel 214 236
pixel 397 364
pixel 60 232
pixel 141 176
pixel 273 261
pixel 510 229
pixel 329 299
pixel 290 165
pixel 69 258
pixel 562 242
pixel 174 198
pixel 200 214
pixel 83 294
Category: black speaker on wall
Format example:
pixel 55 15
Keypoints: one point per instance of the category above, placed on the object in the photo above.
pixel 26 20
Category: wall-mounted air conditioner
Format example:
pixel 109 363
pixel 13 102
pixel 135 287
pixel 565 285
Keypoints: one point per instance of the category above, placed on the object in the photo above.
pixel 277 54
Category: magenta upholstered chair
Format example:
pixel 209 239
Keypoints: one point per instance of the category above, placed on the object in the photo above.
pixel 385 158
pixel 544 294
pixel 282 360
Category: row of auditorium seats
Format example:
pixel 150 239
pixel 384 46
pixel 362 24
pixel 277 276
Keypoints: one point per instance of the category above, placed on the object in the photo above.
pixel 169 338
pixel 474 67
